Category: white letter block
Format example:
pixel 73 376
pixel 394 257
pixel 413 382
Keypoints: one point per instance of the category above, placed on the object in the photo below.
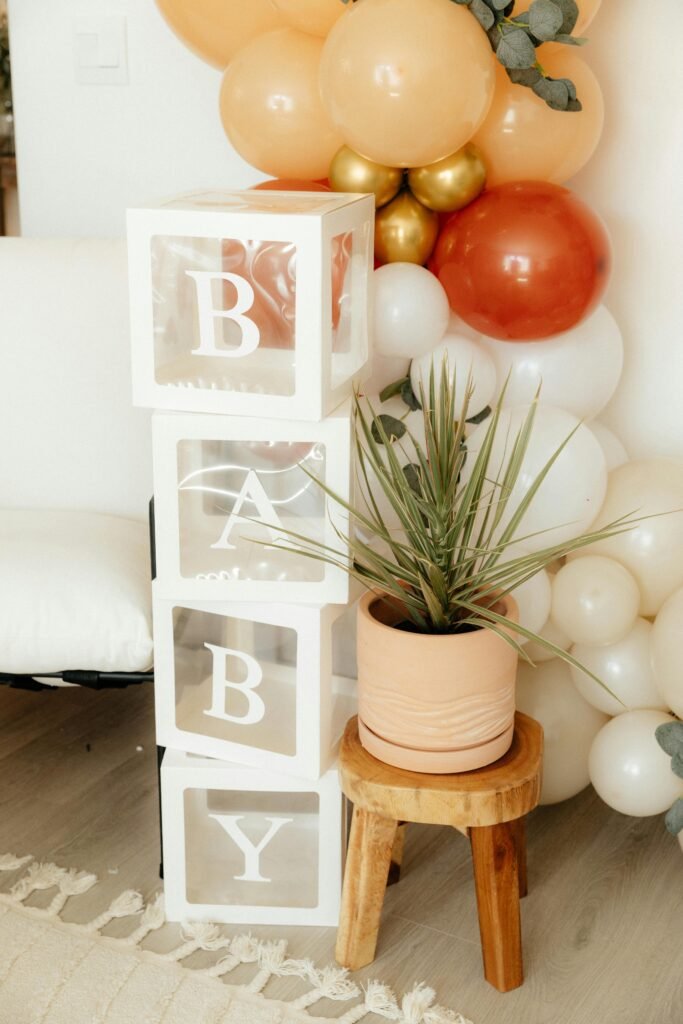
pixel 246 846
pixel 259 684
pixel 226 490
pixel 250 303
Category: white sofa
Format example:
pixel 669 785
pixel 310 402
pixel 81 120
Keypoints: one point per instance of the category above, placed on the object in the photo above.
pixel 75 463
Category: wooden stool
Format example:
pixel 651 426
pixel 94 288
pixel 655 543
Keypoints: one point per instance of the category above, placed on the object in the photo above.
pixel 489 804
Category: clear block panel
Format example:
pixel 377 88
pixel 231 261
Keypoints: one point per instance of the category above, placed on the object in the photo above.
pixel 235 680
pixel 235 498
pixel 344 670
pixel 255 201
pixel 224 314
pixel 349 262
pixel 251 848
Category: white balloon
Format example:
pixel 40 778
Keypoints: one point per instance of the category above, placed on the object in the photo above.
pixel 532 597
pixel 465 358
pixel 384 370
pixel 458 326
pixel 569 723
pixel 411 310
pixel 578 370
pixel 653 550
pixel 667 651
pixel 595 600
pixel 615 453
pixel 625 667
pixel 629 769
pixel 570 497
pixel 538 653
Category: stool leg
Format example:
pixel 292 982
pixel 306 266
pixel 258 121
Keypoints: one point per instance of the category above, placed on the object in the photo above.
pixel 496 877
pixel 397 854
pixel 519 829
pixel 365 880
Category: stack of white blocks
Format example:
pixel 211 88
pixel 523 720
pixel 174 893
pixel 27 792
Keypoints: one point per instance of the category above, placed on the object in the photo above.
pixel 249 319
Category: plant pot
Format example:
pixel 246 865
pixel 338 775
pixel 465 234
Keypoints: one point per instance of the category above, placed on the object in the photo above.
pixel 433 703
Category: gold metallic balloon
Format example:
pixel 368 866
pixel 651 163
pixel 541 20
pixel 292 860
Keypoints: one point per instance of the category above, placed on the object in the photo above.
pixel 405 231
pixel 351 172
pixel 451 183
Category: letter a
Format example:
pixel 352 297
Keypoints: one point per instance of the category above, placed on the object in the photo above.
pixel 252 868
pixel 252 491
pixel 208 314
pixel 257 708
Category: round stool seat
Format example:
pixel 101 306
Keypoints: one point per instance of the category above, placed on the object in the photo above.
pixel 503 791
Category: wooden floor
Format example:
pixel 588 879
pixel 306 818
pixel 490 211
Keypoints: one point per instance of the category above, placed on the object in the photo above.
pixel 603 922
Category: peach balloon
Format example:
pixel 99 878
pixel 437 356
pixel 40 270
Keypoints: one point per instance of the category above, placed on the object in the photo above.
pixel 587 11
pixel 314 16
pixel 522 139
pixel 271 108
pixel 216 29
pixel 406 82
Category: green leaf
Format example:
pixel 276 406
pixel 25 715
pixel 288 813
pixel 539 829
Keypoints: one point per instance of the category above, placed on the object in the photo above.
pixel 570 14
pixel 677 764
pixel 574 105
pixel 498 5
pixel 412 474
pixel 524 76
pixel 553 91
pixel 545 19
pixel 393 389
pixel 674 818
pixel 393 428
pixel 567 40
pixel 483 13
pixel 515 49
pixel 669 735
pixel 480 416
pixel 408 396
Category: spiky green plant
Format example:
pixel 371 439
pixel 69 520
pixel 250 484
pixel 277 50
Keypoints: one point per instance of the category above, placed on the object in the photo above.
pixel 445 565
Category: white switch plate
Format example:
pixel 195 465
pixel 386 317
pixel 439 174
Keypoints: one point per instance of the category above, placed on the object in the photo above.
pixel 100 55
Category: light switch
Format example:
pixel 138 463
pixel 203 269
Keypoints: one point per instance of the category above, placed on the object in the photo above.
pixel 100 50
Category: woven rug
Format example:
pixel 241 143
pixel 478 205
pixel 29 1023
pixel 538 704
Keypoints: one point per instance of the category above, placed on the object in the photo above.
pixel 56 972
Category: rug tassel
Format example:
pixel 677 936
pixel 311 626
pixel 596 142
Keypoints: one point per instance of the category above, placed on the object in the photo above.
pixel 198 935
pixel 418 1007
pixel 8 861
pixel 379 999
pixel 330 983
pixel 153 917
pixel 37 878
pixel 72 883
pixel 270 959
pixel 244 949
pixel 125 905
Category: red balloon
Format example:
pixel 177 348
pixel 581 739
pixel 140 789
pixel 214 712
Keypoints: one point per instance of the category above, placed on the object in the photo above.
pixel 525 260
pixel 292 185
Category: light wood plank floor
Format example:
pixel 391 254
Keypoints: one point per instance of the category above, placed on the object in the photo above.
pixel 603 922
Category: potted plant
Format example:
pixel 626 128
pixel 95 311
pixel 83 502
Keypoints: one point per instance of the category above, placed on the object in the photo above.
pixel 670 738
pixel 438 631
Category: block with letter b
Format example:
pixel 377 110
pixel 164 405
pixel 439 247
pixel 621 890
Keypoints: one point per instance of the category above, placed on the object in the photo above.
pixel 254 683
pixel 250 303
pixel 245 845
pixel 231 491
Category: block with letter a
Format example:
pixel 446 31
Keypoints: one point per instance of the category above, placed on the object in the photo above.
pixel 255 683
pixel 230 494
pixel 250 303
pixel 243 845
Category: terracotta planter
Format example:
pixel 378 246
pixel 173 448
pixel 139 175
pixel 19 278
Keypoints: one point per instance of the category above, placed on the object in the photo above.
pixel 435 704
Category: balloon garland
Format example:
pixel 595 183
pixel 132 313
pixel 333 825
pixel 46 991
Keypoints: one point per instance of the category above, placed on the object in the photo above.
pixel 465 118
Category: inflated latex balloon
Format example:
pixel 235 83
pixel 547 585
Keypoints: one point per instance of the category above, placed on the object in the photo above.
pixel 577 371
pixel 410 310
pixel 405 231
pixel 629 769
pixel 550 632
pixel 569 723
pixel 587 11
pixel 451 183
pixel 533 597
pixel 595 600
pixel 524 261
pixel 571 494
pixel 271 107
pixel 625 667
pixel 523 139
pixel 351 172
pixel 667 651
pixel 464 359
pixel 407 83
pixel 216 29
pixel 290 185
pixel 314 16
pixel 653 550
pixel 615 453
pixel 384 370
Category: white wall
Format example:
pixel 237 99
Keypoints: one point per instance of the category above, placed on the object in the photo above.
pixel 87 152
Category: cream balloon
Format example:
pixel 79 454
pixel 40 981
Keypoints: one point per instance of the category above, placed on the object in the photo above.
pixel 571 494
pixel 613 449
pixel 667 651
pixel 653 550
pixel 550 632
pixel 625 667
pixel 216 29
pixel 595 600
pixel 533 597
pixel 411 310
pixel 577 371
pixel 569 723
pixel 629 769
pixel 407 83
pixel 314 16
pixel 463 358
pixel 384 370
